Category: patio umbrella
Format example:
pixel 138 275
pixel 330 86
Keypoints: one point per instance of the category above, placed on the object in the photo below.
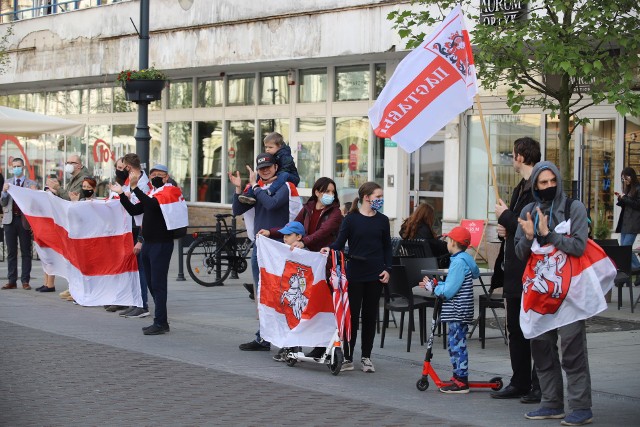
pixel 25 123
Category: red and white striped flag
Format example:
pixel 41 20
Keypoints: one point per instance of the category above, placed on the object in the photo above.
pixel 431 86
pixel 173 206
pixel 144 185
pixel 341 295
pixel 559 289
pixel 294 300
pixel 89 243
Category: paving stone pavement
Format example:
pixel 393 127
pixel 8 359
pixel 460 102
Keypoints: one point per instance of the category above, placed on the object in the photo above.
pixel 78 382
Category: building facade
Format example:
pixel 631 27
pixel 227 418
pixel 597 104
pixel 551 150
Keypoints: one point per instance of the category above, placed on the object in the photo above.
pixel 238 70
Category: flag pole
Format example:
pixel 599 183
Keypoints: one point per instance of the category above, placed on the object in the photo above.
pixel 487 146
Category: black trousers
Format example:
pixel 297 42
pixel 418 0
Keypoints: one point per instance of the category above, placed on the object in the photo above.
pixel 365 297
pixel 524 375
pixel 13 233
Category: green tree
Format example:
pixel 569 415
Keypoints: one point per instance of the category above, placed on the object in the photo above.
pixel 571 53
pixel 4 56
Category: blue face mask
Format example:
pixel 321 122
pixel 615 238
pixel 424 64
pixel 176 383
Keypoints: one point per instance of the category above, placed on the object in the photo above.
pixel 17 170
pixel 376 204
pixel 327 199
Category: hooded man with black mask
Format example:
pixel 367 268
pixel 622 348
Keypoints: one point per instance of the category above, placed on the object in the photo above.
pixel 537 222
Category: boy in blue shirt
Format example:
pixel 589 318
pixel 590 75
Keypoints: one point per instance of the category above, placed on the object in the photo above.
pixel 457 308
pixel 287 171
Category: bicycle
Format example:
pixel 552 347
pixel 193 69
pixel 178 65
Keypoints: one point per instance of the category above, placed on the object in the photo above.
pixel 214 255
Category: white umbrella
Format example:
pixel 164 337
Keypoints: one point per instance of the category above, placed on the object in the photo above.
pixel 25 123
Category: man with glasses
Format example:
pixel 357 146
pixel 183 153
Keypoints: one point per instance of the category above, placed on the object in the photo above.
pixel 76 172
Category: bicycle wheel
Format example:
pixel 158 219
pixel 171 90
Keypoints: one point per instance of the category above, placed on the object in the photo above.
pixel 208 262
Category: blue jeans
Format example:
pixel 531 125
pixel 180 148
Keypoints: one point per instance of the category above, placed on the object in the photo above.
pixel 155 257
pixel 458 348
pixel 629 239
pixel 255 269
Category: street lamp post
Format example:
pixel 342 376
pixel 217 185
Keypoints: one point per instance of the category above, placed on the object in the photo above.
pixel 142 136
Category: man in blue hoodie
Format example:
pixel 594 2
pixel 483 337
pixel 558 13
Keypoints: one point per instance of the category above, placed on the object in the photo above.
pixel 537 222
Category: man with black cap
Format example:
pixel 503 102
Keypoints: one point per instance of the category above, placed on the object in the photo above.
pixel 270 211
pixel 157 246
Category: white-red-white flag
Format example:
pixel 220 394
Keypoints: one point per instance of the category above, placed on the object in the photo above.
pixel 431 86
pixel 173 206
pixel 294 300
pixel 559 289
pixel 89 243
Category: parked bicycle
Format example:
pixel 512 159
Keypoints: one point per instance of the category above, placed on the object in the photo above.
pixel 214 255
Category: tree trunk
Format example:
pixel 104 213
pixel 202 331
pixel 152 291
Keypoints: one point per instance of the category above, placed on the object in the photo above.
pixel 564 135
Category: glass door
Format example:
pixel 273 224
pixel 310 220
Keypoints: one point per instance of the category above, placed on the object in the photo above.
pixel 426 179
pixel 306 150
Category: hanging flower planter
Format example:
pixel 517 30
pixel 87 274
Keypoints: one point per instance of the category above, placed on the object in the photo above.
pixel 142 86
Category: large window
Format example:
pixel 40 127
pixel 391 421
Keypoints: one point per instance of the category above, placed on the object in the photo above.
pixel 352 83
pixel 100 100
pixel 180 155
pixel 274 89
pixel 181 94
pixel 209 155
pixel 240 140
pixel 351 154
pixel 502 131
pixel 273 125
pixel 210 93
pixel 313 85
pixel 240 90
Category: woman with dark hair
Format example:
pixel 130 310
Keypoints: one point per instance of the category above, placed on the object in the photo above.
pixel 320 216
pixel 629 221
pixel 420 224
pixel 368 234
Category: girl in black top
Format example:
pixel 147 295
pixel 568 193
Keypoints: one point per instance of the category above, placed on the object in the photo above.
pixel 368 235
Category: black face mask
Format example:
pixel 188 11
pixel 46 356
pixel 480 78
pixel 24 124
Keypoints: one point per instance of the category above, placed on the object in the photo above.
pixel 122 174
pixel 157 181
pixel 548 194
pixel 87 193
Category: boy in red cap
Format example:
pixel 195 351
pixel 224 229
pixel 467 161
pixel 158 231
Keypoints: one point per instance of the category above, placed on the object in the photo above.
pixel 457 308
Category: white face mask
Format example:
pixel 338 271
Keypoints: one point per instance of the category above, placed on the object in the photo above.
pixel 68 168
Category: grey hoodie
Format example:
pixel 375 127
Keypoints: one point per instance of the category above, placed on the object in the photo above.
pixel 573 243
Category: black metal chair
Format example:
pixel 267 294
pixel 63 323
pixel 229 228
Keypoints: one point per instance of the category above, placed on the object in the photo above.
pixel 398 297
pixel 413 268
pixel 487 302
pixel 621 257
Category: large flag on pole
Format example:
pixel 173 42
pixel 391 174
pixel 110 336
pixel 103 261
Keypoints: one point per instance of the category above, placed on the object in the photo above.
pixel 431 86
pixel 294 300
pixel 89 243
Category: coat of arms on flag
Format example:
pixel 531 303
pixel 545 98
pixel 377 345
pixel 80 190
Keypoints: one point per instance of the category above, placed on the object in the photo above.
pixel 294 300
pixel 559 289
pixel 431 86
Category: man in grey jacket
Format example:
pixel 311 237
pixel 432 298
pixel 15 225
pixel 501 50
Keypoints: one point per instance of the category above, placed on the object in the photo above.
pixel 76 171
pixel 537 222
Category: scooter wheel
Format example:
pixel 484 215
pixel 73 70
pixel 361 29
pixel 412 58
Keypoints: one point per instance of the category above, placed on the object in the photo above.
pixel 291 361
pixel 499 383
pixel 422 385
pixel 336 362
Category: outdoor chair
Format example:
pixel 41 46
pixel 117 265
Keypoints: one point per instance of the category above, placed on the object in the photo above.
pixel 398 297
pixel 621 257
pixel 487 302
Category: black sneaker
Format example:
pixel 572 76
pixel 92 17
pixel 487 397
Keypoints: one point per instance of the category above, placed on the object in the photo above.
pixel 137 312
pixel 155 330
pixel 534 396
pixel 281 355
pixel 247 200
pixel 254 346
pixel 458 385
pixel 125 311
pixel 114 308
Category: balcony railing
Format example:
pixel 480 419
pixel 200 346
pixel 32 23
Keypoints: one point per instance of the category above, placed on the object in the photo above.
pixel 16 10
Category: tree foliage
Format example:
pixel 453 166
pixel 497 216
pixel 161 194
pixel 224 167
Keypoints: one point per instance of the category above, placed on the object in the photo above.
pixel 563 56
pixel 4 56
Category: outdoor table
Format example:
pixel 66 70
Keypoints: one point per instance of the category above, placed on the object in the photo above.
pixel 484 272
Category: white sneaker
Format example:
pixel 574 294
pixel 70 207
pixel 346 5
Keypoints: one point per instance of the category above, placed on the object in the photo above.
pixel 367 365
pixel 347 365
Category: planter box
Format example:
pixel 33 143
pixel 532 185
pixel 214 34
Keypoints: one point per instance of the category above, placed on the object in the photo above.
pixel 143 90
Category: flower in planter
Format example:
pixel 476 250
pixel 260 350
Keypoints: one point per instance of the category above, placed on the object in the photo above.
pixel 146 74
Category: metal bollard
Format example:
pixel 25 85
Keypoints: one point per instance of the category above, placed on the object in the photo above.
pixel 180 277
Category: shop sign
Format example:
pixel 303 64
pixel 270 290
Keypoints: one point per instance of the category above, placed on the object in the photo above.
pixel 497 12
pixel 389 143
